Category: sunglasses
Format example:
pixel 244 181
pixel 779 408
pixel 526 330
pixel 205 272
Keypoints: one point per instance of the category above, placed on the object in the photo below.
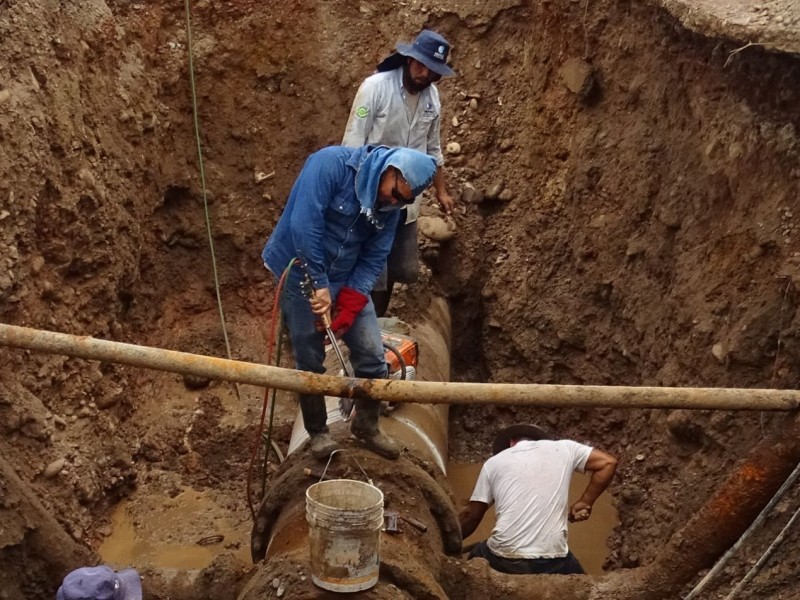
pixel 397 195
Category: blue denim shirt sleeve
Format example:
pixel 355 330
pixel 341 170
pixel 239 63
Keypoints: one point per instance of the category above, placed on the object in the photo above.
pixel 315 187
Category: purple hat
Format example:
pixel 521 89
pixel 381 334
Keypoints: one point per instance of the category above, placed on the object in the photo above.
pixel 100 583
pixel 430 48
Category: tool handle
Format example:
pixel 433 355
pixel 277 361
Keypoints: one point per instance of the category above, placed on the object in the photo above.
pixel 418 525
pixel 316 474
pixel 307 288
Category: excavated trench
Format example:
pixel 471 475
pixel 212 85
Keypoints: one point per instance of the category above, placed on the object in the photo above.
pixel 628 180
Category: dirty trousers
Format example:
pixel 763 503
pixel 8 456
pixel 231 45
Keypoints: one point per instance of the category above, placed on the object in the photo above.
pixel 567 565
pixel 363 340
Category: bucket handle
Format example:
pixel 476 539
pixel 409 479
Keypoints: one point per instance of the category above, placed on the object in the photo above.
pixel 330 458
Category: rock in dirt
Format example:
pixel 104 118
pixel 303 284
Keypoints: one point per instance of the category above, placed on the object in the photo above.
pixel 494 191
pixel 719 352
pixel 54 468
pixel 194 382
pixel 5 96
pixel 506 196
pixel 436 228
pixel 682 426
pixel 470 195
pixel 578 76
pixel 453 148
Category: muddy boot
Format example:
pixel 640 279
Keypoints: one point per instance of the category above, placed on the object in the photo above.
pixel 365 428
pixel 322 445
pixel 379 443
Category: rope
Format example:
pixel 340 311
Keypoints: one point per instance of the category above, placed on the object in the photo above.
pixel 201 165
pixel 190 50
pixel 764 557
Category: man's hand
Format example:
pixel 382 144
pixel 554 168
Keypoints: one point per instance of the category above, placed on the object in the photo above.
pixel 580 511
pixel 348 304
pixel 446 202
pixel 321 301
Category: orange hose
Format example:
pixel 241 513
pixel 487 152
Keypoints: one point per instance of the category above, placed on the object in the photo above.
pixel 271 335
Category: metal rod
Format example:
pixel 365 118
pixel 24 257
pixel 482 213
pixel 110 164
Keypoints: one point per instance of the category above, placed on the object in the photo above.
pixel 754 570
pixel 426 392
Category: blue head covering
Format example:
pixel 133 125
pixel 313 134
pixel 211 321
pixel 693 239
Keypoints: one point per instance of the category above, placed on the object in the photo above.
pixel 417 169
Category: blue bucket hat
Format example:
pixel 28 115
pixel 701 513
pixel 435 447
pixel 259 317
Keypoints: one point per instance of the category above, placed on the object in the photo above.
pixel 100 583
pixel 430 48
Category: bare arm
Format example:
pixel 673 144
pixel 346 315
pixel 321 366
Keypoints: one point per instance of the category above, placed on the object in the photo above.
pixel 445 199
pixel 470 517
pixel 603 466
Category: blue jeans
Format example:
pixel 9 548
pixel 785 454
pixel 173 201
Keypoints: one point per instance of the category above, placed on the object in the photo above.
pixel 567 565
pixel 363 340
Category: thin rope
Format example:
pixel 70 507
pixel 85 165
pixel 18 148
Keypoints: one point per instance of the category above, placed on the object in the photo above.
pixel 190 50
pixel 764 557
pixel 196 119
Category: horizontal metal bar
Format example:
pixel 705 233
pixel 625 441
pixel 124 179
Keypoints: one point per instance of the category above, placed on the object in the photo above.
pixel 428 392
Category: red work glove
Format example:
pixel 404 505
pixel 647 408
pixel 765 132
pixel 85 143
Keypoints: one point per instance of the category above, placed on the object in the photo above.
pixel 348 304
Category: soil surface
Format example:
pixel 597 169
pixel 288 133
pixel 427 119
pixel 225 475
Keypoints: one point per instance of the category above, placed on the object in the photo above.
pixel 628 180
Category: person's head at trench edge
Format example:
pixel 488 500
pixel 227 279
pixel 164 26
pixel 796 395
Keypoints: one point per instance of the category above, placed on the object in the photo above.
pixel 424 61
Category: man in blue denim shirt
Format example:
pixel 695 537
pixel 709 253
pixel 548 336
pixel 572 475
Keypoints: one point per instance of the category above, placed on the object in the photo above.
pixel 339 222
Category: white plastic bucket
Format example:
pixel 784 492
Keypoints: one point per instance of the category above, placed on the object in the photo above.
pixel 345 518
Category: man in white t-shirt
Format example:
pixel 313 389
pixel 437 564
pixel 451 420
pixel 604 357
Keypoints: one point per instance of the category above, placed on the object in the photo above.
pixel 528 480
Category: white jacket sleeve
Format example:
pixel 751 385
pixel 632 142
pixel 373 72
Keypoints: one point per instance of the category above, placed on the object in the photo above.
pixel 362 113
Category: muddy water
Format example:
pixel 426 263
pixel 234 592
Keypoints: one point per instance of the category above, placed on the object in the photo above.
pixel 587 540
pixel 162 533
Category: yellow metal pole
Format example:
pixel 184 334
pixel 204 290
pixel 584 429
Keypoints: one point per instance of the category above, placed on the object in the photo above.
pixel 426 392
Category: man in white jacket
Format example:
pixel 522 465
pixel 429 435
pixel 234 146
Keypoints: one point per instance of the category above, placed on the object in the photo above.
pixel 399 106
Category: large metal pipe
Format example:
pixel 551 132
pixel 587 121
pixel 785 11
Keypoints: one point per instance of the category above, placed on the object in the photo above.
pixel 422 428
pixel 426 392
pixel 412 553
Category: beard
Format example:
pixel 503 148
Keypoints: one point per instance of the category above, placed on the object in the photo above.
pixel 414 86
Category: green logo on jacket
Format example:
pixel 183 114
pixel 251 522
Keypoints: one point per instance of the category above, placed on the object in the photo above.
pixel 362 112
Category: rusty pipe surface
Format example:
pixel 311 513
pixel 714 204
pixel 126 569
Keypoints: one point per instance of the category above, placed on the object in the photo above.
pixel 422 524
pixel 426 392
pixel 717 525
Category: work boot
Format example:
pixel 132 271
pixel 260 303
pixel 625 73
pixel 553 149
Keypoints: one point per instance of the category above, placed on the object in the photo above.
pixel 365 428
pixel 322 445
pixel 378 442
